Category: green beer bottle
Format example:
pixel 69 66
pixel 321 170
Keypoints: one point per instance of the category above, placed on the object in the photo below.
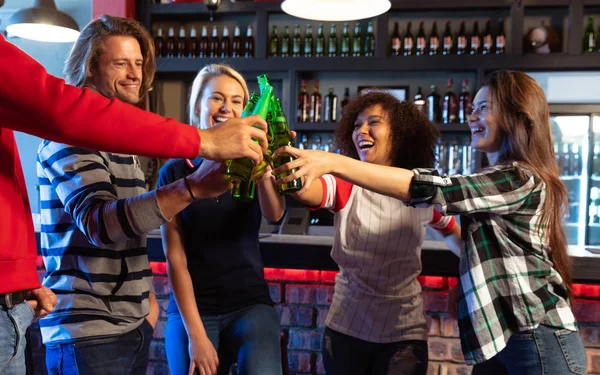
pixel 281 137
pixel 241 168
pixel 244 190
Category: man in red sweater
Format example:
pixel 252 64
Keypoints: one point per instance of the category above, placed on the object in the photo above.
pixel 30 97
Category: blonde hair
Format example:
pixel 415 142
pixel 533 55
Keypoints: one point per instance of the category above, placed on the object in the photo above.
pixel 202 78
pixel 90 46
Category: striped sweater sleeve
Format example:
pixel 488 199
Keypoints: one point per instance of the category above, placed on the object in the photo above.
pixel 89 195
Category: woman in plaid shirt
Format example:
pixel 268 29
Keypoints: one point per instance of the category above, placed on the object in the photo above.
pixel 515 278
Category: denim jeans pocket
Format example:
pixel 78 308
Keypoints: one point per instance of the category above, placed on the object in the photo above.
pixel 96 341
pixel 572 348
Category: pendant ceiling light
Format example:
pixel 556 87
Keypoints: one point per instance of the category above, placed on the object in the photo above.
pixel 335 10
pixel 43 22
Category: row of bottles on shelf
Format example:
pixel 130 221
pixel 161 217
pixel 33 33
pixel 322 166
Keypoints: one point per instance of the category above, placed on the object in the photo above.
pixel 591 40
pixel 214 47
pixel 569 158
pixel 450 108
pixel 307 46
pixel 311 109
pixel 456 156
pixel 474 44
pixel 316 143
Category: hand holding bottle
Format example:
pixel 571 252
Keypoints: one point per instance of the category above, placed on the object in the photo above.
pixel 233 139
pixel 308 164
pixel 209 180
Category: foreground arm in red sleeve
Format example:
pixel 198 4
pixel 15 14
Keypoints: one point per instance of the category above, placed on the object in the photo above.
pixel 35 102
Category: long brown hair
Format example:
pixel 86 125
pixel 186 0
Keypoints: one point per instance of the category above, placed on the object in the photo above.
pixel 520 108
pixel 413 136
pixel 89 47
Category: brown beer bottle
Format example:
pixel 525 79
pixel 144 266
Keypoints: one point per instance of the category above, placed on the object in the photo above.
pixel 236 44
pixel 249 43
pixel 214 44
pixel 171 43
pixel 182 43
pixel 203 44
pixel 192 48
pixel 159 43
pixel 303 104
pixel 315 104
pixel 225 43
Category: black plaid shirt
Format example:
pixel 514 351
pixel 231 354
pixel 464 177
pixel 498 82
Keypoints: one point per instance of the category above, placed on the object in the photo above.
pixel 507 281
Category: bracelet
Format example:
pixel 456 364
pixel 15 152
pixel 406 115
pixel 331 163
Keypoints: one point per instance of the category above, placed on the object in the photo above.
pixel 187 185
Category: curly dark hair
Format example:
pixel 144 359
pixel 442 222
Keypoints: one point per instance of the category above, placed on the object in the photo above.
pixel 414 137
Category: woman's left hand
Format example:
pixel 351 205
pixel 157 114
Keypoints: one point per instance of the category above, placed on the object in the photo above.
pixel 309 165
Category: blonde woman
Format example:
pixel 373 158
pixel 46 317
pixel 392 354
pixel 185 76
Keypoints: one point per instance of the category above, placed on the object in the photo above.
pixel 220 310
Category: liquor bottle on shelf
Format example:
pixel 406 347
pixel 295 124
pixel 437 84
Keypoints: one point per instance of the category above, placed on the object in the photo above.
pixel 396 41
pixel 565 166
pixel 442 157
pixel 320 42
pixel 461 39
pixel 225 43
pixel 182 42
pixel 203 44
pixel 434 41
pixel 448 47
pixel 159 43
pixel 345 41
pixel 308 41
pixel 450 105
pixel 356 40
pixel 285 42
pixel 421 41
pixel 589 44
pixel 303 104
pixel 488 40
pixel 213 45
pixel 171 43
pixel 332 45
pixel 419 100
pixel 500 38
pixel 576 160
pixel 596 160
pixel 454 157
pixel 598 40
pixel 346 99
pixel 192 47
pixel 369 40
pixel 315 104
pixel 475 40
pixel 433 105
pixel 593 208
pixel 274 42
pixel 281 137
pixel 464 102
pixel 409 41
pixel 296 42
pixel 249 43
pixel 330 112
pixel 303 142
pixel 468 157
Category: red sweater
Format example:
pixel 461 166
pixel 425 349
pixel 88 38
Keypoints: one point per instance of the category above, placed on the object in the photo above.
pixel 34 102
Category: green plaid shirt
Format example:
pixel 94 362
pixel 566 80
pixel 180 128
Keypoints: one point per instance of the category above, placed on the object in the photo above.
pixel 507 281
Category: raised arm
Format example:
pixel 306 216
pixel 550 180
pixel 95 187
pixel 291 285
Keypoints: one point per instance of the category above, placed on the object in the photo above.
pixel 35 102
pixel 312 164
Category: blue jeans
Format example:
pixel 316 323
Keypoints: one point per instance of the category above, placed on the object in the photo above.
pixel 542 351
pixel 116 355
pixel 249 336
pixel 13 325
pixel 347 355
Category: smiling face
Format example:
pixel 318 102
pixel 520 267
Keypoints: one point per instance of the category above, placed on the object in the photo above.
pixel 118 72
pixel 485 132
pixel 371 136
pixel 221 99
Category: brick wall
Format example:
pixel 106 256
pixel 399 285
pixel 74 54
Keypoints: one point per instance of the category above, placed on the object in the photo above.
pixel 302 298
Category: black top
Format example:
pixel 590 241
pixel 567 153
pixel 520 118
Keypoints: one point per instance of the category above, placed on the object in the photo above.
pixel 220 237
